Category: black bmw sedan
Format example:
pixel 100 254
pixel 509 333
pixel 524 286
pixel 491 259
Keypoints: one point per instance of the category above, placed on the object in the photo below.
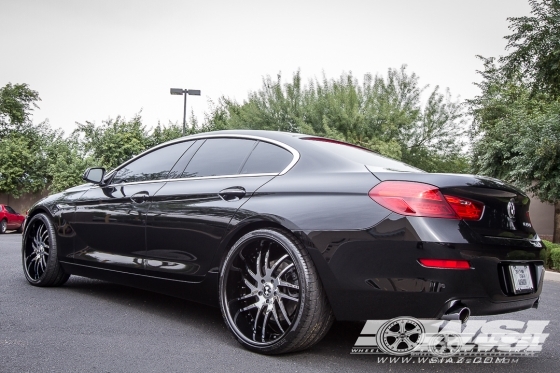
pixel 286 232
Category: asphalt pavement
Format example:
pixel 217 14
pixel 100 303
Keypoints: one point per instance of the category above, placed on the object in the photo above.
pixel 95 326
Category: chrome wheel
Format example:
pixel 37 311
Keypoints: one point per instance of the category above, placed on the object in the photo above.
pixel 37 250
pixel 262 291
pixel 40 253
pixel 3 226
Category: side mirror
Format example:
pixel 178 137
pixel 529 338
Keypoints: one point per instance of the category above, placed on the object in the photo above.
pixel 94 175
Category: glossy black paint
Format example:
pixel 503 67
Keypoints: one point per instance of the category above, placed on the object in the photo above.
pixel 171 235
pixel 187 221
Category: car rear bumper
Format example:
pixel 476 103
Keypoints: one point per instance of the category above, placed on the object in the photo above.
pixel 373 277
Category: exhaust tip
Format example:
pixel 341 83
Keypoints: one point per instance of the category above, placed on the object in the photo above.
pixel 457 312
pixel 464 315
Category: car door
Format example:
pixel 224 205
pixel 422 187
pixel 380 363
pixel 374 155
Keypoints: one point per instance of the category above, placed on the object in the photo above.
pixel 13 218
pixel 110 219
pixel 190 215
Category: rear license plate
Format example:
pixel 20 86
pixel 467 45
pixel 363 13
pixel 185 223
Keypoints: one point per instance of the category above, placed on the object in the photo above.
pixel 521 279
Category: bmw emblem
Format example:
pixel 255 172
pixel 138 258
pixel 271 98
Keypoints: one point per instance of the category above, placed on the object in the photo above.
pixel 511 209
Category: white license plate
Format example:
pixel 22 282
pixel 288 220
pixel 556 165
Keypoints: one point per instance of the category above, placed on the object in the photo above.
pixel 521 278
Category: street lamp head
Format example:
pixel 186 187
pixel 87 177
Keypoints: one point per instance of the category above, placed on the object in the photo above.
pixel 185 92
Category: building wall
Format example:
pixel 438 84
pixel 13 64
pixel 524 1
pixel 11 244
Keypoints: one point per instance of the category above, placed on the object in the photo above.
pixel 542 217
pixel 22 203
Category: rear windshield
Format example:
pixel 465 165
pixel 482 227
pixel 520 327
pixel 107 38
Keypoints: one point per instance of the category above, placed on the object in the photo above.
pixel 354 153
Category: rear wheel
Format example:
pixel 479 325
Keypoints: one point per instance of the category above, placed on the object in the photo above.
pixel 271 297
pixel 39 253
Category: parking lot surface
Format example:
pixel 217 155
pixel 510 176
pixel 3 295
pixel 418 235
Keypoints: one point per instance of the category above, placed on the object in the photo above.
pixel 95 326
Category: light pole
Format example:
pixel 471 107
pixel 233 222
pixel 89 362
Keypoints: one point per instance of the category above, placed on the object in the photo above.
pixel 185 92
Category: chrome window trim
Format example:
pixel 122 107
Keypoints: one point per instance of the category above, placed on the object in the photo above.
pixel 294 152
pixel 186 179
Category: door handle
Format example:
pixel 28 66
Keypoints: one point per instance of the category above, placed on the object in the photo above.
pixel 232 194
pixel 139 197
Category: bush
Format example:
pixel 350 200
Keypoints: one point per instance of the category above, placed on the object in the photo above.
pixel 552 256
pixel 555 257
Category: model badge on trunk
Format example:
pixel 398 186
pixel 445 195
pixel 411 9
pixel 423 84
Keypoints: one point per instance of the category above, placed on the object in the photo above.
pixel 511 209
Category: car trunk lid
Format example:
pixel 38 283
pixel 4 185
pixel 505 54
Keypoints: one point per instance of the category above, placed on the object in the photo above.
pixel 506 208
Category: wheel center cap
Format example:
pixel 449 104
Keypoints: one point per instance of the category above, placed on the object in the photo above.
pixel 268 290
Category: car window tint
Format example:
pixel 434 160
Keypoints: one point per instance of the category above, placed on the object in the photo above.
pixel 10 210
pixel 267 158
pixel 152 166
pixel 182 163
pixel 360 155
pixel 219 157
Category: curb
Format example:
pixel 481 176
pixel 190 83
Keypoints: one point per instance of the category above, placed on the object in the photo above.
pixel 552 276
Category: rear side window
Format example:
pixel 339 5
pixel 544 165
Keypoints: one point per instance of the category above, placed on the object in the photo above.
pixel 218 157
pixel 267 158
pixel 360 155
pixel 152 166
pixel 10 210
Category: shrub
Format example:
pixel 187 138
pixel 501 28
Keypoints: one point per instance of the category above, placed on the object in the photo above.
pixel 546 253
pixel 555 257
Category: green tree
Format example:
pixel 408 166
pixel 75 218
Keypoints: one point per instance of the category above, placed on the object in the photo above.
pixel 385 114
pixel 535 47
pixel 161 134
pixel 519 140
pixel 114 141
pixel 16 103
pixel 24 159
pixel 67 163
pixel 23 145
pixel 108 145
pixel 516 116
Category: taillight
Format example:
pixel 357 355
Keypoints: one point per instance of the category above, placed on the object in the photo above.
pixel 466 209
pixel 445 263
pixel 419 199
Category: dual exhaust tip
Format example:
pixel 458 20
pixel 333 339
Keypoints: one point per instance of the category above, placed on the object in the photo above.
pixel 457 312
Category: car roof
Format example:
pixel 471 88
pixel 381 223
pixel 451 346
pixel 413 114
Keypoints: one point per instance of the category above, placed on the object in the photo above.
pixel 287 138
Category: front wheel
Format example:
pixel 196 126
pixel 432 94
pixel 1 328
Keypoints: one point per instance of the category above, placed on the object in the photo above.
pixel 39 253
pixel 3 226
pixel 271 297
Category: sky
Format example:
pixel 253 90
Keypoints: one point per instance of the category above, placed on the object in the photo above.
pixel 94 60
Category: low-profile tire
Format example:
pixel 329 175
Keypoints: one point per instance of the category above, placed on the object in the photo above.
pixel 3 226
pixel 39 253
pixel 271 297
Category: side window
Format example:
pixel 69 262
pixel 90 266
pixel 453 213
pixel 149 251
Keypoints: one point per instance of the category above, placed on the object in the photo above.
pixel 10 210
pixel 182 163
pixel 219 157
pixel 152 166
pixel 267 158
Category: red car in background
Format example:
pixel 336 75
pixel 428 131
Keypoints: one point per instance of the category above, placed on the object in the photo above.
pixel 10 220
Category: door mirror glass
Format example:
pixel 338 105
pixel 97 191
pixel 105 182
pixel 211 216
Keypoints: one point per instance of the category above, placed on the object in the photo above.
pixel 94 175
